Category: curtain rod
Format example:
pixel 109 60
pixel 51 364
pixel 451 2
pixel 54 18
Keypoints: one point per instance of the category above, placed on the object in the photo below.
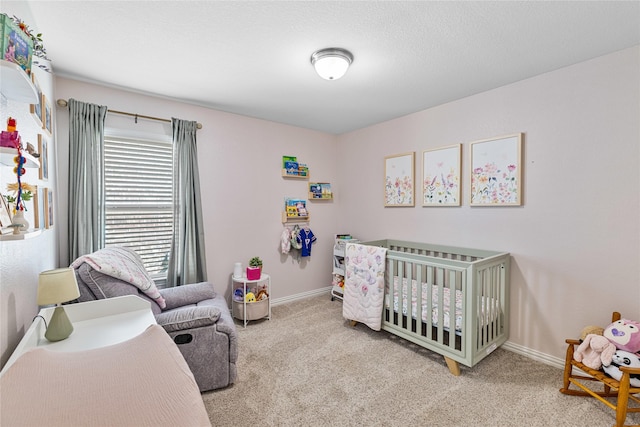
pixel 64 103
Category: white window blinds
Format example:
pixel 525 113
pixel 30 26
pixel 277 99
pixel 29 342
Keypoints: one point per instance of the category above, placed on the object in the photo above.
pixel 138 186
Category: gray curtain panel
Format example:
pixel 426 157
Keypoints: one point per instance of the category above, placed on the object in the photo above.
pixel 187 259
pixel 86 174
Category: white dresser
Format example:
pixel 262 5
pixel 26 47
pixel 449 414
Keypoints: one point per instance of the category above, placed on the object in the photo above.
pixel 96 324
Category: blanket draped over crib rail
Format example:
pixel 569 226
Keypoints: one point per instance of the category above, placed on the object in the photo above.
pixel 364 284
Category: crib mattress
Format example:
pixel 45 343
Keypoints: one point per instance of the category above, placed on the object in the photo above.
pixel 435 301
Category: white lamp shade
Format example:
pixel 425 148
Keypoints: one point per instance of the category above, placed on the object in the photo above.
pixel 57 286
pixel 331 63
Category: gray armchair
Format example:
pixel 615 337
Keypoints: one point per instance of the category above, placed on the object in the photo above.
pixel 197 319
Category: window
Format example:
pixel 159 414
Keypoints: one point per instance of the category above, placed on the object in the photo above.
pixel 138 186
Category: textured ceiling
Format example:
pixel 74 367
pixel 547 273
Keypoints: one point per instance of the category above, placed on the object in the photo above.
pixel 252 58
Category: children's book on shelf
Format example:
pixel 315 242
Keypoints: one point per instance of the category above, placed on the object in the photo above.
pixel 286 159
pixel 290 164
pixel 320 190
pixel 296 207
pixel 301 205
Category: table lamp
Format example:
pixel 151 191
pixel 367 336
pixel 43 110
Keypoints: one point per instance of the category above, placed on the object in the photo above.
pixel 55 287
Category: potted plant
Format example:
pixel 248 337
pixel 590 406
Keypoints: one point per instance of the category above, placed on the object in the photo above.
pixel 255 268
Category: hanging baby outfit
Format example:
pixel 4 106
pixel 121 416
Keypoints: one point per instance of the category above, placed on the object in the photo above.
pixel 306 239
pixel 295 238
pixel 285 241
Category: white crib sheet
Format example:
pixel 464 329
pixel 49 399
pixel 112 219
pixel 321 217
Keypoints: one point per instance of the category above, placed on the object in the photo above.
pixel 446 300
pixel 484 317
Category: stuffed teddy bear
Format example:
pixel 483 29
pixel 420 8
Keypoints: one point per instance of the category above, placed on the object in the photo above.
pixel 624 358
pixel 596 330
pixel 595 351
pixel 624 334
pixel 250 297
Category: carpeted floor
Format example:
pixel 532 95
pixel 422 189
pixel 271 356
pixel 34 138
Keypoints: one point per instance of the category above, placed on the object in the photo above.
pixel 308 367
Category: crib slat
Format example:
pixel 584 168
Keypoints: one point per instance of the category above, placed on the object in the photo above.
pixel 440 283
pixel 430 282
pixel 419 292
pixel 409 294
pixel 390 286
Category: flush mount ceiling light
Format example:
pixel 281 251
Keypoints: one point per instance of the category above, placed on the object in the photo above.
pixel 331 63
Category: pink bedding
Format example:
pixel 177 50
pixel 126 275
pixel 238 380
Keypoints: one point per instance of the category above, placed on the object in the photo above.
pixel 141 382
pixel 364 284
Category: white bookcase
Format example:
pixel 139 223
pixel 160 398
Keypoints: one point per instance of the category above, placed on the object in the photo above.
pixel 338 271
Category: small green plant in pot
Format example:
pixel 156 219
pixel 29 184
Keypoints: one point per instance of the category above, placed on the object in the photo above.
pixel 255 268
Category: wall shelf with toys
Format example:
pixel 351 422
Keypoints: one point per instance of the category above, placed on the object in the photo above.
pixel 295 210
pixel 291 168
pixel 16 83
pixel 8 154
pixel 15 226
pixel 293 219
pixel 22 236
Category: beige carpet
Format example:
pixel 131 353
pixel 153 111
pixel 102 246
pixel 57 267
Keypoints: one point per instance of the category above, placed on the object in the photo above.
pixel 308 367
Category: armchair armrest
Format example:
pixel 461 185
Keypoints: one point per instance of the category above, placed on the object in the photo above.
pixel 188 318
pixel 180 296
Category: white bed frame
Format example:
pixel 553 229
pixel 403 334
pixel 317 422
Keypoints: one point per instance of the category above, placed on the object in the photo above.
pixel 482 278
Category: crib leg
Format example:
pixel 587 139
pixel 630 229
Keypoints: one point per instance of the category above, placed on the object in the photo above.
pixel 453 366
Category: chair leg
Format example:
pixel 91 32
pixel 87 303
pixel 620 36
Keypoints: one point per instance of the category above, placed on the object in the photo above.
pixel 623 399
pixel 567 369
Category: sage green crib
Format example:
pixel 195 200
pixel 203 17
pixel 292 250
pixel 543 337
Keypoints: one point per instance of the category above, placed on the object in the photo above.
pixel 463 312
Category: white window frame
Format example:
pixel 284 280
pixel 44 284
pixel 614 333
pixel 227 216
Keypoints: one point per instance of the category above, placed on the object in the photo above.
pixel 151 239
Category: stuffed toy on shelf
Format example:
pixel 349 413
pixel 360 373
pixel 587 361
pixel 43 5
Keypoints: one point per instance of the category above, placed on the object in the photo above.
pixel 624 334
pixel 624 358
pixel 595 351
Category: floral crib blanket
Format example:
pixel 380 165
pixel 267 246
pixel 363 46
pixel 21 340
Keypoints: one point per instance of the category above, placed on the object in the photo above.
pixel 364 284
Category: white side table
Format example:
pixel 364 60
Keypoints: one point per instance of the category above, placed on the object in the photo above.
pixel 245 311
pixel 95 324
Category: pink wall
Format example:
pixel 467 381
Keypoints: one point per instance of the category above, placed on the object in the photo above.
pixel 242 188
pixel 575 243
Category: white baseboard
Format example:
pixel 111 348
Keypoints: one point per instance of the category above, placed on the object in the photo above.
pixel 510 346
pixel 326 291
pixel 535 355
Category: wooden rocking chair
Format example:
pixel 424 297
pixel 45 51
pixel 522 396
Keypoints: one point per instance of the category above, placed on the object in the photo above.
pixel 621 390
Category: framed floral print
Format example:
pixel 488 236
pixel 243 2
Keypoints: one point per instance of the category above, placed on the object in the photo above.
pixel 496 171
pixel 441 176
pixel 398 182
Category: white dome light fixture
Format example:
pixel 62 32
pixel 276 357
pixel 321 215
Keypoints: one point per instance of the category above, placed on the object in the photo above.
pixel 331 63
